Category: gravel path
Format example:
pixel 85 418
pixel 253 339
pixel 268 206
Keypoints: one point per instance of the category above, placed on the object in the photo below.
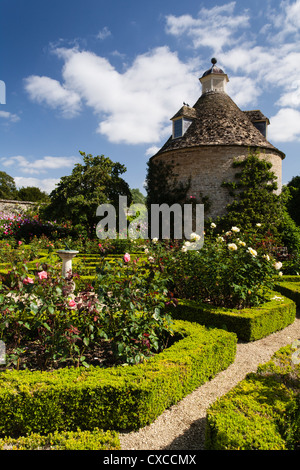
pixel 182 427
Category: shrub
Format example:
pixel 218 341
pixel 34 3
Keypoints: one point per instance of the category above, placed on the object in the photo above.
pixel 229 271
pixel 114 398
pixel 261 412
pixel 73 440
pixel 249 324
pixel 37 310
pixel 290 289
pixel 133 295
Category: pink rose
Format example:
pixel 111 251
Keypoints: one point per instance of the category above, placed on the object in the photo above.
pixel 43 275
pixel 20 243
pixel 126 257
pixel 72 304
pixel 28 280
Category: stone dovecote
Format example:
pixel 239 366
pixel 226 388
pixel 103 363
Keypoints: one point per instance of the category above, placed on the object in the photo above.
pixel 207 138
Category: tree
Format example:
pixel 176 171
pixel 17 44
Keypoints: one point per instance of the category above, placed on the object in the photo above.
pixel 77 196
pixel 8 188
pixel 33 194
pixel 254 197
pixel 293 204
pixel 256 202
pixel 137 196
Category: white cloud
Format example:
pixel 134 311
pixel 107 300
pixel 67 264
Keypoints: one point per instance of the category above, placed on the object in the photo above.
pixel 152 151
pixel 214 28
pixel 47 184
pixel 41 165
pixel 104 33
pixel 244 91
pixel 132 106
pixel 52 93
pixel 9 116
pixel 285 126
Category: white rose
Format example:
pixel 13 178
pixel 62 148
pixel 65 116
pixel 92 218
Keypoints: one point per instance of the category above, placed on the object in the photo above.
pixel 232 247
pixel 194 236
pixel 235 229
pixel 253 252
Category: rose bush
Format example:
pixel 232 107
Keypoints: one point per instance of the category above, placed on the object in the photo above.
pixel 40 321
pixel 133 293
pixel 232 270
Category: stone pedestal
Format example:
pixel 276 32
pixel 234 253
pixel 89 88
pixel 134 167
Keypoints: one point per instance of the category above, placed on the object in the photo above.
pixel 66 256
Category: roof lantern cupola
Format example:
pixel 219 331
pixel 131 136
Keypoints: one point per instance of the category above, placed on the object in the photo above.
pixel 214 79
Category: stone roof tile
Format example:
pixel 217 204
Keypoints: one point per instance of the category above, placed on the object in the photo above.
pixel 219 121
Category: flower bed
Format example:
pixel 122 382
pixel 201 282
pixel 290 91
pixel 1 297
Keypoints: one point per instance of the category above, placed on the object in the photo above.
pixel 249 324
pixel 114 398
pixel 262 412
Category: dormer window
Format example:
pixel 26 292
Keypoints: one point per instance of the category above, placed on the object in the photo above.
pixel 259 121
pixel 180 126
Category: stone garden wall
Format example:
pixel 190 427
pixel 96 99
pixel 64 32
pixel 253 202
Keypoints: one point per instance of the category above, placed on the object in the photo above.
pixel 8 206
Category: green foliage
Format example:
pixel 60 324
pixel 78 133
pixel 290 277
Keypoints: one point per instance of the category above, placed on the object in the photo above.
pixel 293 204
pixel 133 293
pixel 233 270
pixel 249 324
pixel 73 440
pixel 113 398
pixel 37 312
pixel 32 193
pixel 290 290
pixel 161 189
pixel 137 196
pixel 8 188
pixel 77 196
pixel 261 412
pixel 254 199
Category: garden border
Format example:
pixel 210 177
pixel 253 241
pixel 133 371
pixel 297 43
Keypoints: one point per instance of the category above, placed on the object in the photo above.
pixel 290 289
pixel 118 398
pixel 261 412
pixel 249 324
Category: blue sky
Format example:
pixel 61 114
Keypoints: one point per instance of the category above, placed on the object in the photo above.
pixel 105 77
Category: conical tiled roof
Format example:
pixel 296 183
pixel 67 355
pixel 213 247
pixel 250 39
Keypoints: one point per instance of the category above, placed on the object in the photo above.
pixel 219 121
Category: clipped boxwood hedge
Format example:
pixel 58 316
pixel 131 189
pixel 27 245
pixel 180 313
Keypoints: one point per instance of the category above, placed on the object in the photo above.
pixel 290 289
pixel 72 440
pixel 118 398
pixel 262 412
pixel 249 324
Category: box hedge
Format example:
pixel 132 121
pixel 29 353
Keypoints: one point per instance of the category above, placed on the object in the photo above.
pixel 249 324
pixel 72 440
pixel 262 412
pixel 118 398
pixel 290 289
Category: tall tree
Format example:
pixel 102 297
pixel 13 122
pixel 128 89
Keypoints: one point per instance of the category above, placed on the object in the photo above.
pixel 293 204
pixel 8 188
pixel 256 202
pixel 32 193
pixel 95 181
pixel 253 192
